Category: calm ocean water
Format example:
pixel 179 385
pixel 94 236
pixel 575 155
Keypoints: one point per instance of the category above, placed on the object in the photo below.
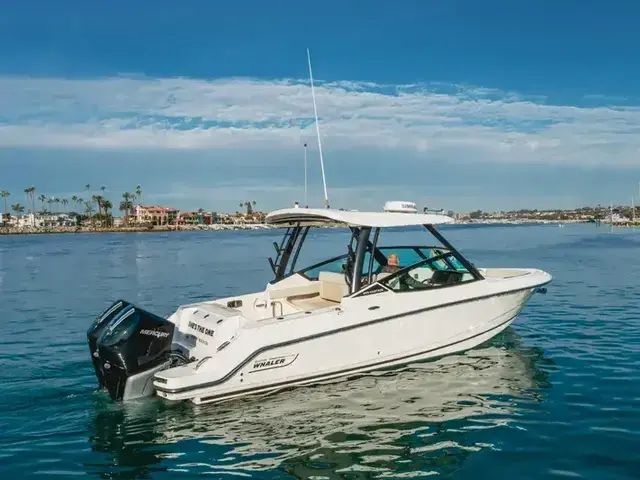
pixel 557 395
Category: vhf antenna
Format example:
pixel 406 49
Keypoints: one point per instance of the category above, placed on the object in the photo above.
pixel 315 111
pixel 306 203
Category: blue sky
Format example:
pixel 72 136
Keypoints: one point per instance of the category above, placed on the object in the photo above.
pixel 455 104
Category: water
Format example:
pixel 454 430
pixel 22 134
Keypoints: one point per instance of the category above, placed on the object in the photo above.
pixel 556 395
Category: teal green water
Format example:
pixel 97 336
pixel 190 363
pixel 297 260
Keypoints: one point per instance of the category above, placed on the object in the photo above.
pixel 556 395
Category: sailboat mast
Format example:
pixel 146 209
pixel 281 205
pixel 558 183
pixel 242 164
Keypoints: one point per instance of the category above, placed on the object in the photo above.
pixel 315 112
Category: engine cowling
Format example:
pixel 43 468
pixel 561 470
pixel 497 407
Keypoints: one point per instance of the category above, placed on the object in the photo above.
pixel 132 346
pixel 97 328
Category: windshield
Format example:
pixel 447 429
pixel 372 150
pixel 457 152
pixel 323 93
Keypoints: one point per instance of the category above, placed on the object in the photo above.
pixel 333 265
pixel 436 267
pixel 406 255
pixel 421 263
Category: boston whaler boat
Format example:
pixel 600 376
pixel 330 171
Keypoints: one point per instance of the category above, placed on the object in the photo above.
pixel 371 308
pixel 346 315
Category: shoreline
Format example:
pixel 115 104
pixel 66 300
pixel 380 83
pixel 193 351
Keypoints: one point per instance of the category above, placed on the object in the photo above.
pixel 238 227
pixel 132 229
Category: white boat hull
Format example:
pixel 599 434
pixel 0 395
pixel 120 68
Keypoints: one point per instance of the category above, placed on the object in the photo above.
pixel 423 356
pixel 330 343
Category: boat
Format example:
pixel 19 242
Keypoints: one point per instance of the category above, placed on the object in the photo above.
pixel 373 307
pixel 344 316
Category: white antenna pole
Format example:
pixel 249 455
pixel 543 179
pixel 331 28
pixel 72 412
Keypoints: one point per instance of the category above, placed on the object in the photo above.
pixel 633 209
pixel 315 111
pixel 306 203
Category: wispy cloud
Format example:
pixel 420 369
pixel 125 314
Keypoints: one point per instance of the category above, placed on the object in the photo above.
pixel 478 124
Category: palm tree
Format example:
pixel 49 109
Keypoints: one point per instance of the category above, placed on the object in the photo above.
pixel 107 205
pixel 249 206
pixel 65 202
pixel 4 194
pixel 42 198
pixel 17 208
pixel 139 194
pixel 79 201
pixel 30 192
pixel 57 202
pixel 88 210
pixel 98 201
pixel 126 205
pixel 50 202
pixel 31 197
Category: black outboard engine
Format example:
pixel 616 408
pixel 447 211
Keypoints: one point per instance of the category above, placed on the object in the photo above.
pixel 131 346
pixel 97 328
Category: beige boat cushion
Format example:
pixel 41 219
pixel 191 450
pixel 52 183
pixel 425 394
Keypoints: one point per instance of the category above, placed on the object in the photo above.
pixel 333 286
pixel 285 292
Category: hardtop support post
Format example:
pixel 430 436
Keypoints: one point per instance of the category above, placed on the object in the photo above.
pixel 363 239
pixel 305 230
pixel 372 255
pixel 466 263
pixel 286 253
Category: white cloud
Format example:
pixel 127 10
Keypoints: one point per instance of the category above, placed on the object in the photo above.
pixel 432 121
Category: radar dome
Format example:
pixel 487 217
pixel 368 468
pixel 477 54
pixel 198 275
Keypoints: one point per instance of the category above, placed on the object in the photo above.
pixel 400 207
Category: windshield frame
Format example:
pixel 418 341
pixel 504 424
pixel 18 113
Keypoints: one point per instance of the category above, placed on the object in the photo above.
pixel 356 281
pixel 384 282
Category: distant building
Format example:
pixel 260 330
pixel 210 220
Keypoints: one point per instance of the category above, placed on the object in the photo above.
pixel 156 215
pixel 195 218
pixel 39 220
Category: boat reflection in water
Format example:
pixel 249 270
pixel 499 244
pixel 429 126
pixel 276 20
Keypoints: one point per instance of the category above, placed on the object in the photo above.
pixel 384 423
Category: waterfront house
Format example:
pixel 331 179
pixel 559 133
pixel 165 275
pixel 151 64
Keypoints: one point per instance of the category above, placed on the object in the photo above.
pixel 48 220
pixel 156 215
pixel 195 218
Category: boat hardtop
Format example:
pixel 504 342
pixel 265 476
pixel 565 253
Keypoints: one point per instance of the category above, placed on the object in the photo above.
pixel 384 219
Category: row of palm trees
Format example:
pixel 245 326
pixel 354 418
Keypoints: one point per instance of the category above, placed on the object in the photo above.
pixel 82 206
pixel 249 205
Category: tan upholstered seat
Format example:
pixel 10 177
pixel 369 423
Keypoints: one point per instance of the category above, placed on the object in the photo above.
pixel 333 286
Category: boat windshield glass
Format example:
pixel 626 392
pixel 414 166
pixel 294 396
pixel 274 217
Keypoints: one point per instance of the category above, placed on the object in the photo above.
pixel 333 265
pixel 397 267
pixel 406 256
pixel 427 268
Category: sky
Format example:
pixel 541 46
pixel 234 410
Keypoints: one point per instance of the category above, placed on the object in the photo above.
pixel 453 104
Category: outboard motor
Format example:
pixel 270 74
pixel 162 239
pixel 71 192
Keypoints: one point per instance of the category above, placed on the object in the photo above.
pixel 97 328
pixel 132 346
